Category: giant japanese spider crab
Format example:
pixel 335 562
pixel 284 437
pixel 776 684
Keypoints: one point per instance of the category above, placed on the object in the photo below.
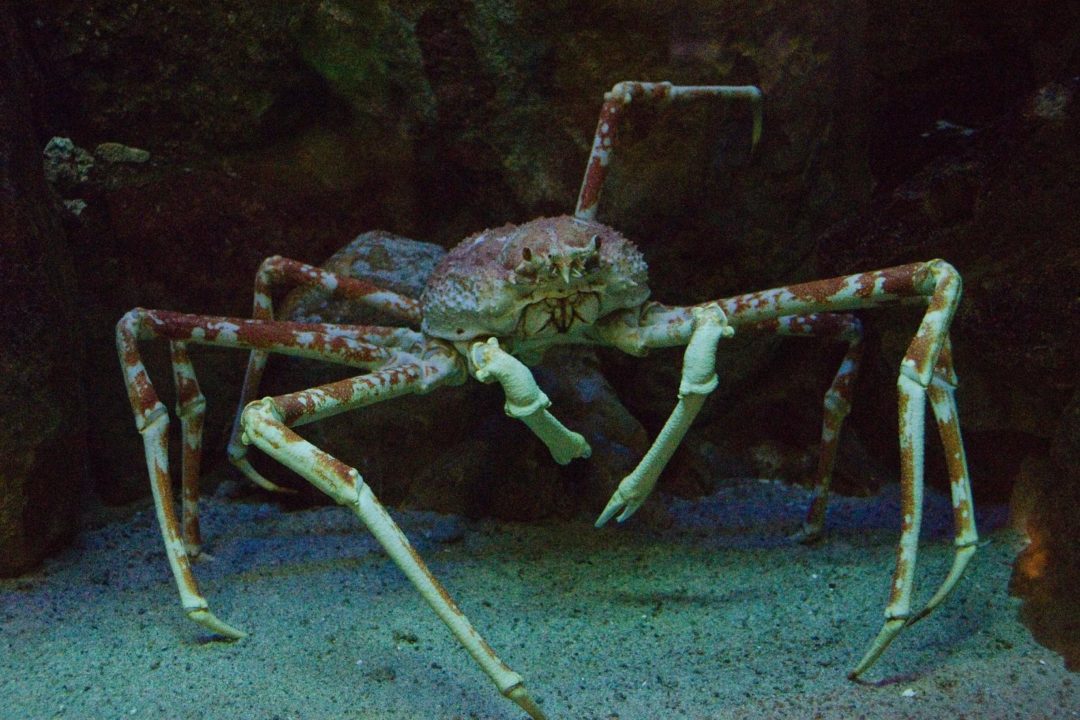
pixel 493 305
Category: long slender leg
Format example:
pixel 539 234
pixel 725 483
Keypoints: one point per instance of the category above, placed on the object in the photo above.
pixel 616 103
pixel 525 400
pixel 698 380
pixel 152 421
pixel 191 409
pixel 916 376
pixel 942 398
pixel 843 328
pixel 266 424
pixel 276 273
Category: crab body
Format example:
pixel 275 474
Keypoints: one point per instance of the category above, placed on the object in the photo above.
pixel 544 282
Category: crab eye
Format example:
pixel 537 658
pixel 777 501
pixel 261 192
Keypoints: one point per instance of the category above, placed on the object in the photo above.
pixel 526 254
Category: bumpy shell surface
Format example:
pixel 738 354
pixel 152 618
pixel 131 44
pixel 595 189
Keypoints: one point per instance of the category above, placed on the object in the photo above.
pixel 477 291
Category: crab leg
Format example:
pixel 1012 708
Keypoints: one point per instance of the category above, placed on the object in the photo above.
pixel 152 421
pixel 191 409
pixel 942 398
pixel 923 373
pixel 618 100
pixel 698 380
pixel 266 424
pixel 525 400
pixel 276 273
pixel 846 328
pixel 913 394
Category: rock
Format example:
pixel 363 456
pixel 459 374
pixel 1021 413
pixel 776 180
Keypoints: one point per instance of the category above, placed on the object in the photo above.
pixel 283 128
pixel 42 430
pixel 114 152
pixel 1046 574
pixel 66 165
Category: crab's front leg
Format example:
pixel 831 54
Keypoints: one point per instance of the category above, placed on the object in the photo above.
pixel 268 424
pixel 698 380
pixel 525 400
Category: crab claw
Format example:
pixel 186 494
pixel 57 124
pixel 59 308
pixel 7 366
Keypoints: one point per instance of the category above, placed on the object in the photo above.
pixel 698 380
pixel 627 498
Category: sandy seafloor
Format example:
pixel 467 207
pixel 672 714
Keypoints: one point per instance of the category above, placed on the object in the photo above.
pixel 719 616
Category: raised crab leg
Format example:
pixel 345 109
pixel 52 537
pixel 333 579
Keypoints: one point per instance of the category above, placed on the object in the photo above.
pixel 698 380
pixel 616 103
pixel 935 282
pixel 152 419
pixel 525 400
pixel 267 424
pixel 275 274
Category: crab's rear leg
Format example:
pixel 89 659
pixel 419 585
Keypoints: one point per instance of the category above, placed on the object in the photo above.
pixel 276 274
pixel 267 424
pixel 152 421
pixel 942 391
pixel 939 389
pixel 925 374
pixel 831 326
pixel 191 409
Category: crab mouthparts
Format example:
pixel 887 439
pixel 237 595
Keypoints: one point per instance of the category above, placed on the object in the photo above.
pixel 559 314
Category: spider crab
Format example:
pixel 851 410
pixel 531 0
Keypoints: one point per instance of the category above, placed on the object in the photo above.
pixel 493 305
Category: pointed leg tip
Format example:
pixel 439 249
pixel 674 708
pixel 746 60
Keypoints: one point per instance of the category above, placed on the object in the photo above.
pixel 523 700
pixel 888 633
pixel 806 535
pixel 208 620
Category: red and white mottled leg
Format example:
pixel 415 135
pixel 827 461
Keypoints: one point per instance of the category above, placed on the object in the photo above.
pixel 924 373
pixel 942 399
pixel 152 421
pixel 275 274
pixel 617 102
pixel 267 424
pixel 840 327
pixel 191 409
pixel 913 394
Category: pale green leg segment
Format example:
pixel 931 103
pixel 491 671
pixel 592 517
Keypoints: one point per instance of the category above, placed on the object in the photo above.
pixel 263 426
pixel 698 380
pixel 525 400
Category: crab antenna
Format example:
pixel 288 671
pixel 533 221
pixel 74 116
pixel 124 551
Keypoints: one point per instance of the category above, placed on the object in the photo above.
pixel 616 102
